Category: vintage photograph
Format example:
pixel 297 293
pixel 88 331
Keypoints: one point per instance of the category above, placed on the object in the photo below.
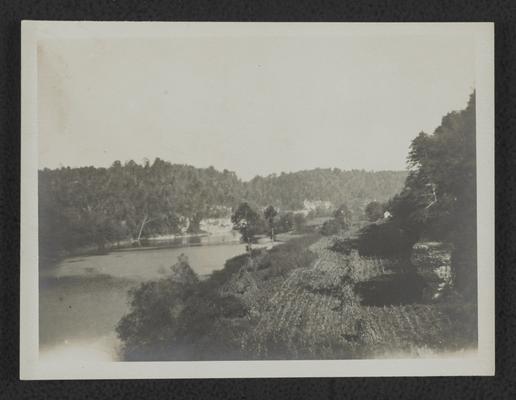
pixel 257 192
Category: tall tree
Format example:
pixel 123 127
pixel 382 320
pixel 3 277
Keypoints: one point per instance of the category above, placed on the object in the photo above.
pixel 439 197
pixel 270 213
pixel 343 216
pixel 247 222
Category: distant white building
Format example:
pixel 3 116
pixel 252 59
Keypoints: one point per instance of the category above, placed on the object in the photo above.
pixel 216 226
pixel 313 205
pixel 387 215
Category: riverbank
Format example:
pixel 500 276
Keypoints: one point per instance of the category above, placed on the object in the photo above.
pixel 302 300
pixel 81 299
pixel 210 319
pixel 152 243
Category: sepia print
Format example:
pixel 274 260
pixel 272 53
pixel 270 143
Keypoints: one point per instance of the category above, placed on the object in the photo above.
pixel 290 199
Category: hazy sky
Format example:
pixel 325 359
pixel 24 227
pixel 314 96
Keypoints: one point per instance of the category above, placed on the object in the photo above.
pixel 252 105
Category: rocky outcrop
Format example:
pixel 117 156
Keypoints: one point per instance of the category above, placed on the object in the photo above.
pixel 432 261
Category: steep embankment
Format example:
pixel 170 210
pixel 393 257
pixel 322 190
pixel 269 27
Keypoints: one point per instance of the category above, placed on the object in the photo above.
pixel 314 310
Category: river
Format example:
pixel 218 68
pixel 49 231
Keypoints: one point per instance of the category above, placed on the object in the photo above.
pixel 83 298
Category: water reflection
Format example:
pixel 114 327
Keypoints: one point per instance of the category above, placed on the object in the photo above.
pixel 194 240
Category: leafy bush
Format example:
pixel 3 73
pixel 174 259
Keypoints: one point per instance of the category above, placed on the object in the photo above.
pixel 300 223
pixel 284 259
pixel 343 246
pixel 374 211
pixel 233 265
pixel 180 318
pixel 330 227
pixel 248 222
pixel 285 223
pixel 152 322
pixel 343 216
pixel 385 239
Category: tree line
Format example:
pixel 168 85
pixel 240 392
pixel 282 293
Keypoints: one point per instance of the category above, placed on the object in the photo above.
pixel 438 200
pixel 91 206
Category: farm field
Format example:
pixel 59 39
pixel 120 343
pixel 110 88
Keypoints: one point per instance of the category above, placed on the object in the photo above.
pixel 313 311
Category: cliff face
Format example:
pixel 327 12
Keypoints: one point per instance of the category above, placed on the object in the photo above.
pixel 432 261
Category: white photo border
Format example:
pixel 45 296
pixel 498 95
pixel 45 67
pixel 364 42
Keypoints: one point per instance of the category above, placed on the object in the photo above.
pixel 481 362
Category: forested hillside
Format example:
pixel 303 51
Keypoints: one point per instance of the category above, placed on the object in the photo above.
pixel 353 188
pixel 357 292
pixel 96 206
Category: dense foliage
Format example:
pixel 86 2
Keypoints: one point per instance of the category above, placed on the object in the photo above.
pixel 178 317
pixel 97 206
pixel 438 201
pixel 388 239
pixel 374 211
pixel 354 188
pixel 287 222
pixel 248 222
pixel 342 219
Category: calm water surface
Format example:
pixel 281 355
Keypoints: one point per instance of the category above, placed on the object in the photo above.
pixel 83 298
